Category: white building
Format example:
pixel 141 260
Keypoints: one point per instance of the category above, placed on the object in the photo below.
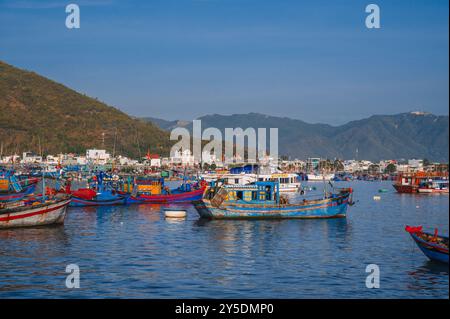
pixel 184 158
pixel 416 164
pixel 123 160
pixel 52 160
pixel 10 159
pixel 29 157
pixel 81 160
pixel 98 156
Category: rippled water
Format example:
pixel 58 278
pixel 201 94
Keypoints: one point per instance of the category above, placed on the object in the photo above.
pixel 133 252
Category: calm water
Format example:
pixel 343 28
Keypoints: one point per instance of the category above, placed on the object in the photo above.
pixel 133 252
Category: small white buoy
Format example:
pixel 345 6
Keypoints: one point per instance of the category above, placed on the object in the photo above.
pixel 376 197
pixel 179 213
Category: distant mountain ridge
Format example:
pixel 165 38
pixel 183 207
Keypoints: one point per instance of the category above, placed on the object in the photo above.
pixel 405 135
pixel 40 115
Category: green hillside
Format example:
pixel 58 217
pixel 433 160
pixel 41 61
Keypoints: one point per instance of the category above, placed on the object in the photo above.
pixel 40 115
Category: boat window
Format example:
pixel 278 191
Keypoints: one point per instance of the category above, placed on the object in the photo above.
pixel 236 180
pixel 254 195
pixel 268 193
pixel 239 195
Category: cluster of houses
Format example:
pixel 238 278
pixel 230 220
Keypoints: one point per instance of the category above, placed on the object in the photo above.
pixel 186 159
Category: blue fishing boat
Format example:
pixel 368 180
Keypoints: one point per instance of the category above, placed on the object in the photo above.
pixel 102 191
pixel 433 246
pixel 263 200
pixel 13 188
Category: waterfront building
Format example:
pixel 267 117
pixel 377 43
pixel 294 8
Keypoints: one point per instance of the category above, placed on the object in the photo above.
pixel 98 156
pixel 30 157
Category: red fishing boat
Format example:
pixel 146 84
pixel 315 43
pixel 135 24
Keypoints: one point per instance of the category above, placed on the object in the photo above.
pixel 152 190
pixel 411 182
pixel 435 247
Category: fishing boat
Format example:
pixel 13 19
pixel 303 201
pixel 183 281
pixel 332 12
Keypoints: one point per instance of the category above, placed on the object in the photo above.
pixel 435 247
pixel 89 197
pixel 13 188
pixel 433 187
pixel 102 191
pixel 151 190
pixel 289 182
pixel 410 182
pixel 34 212
pixel 263 200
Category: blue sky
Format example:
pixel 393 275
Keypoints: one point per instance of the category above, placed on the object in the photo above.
pixel 310 60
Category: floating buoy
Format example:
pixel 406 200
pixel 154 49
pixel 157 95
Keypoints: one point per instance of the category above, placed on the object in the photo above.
pixel 179 213
pixel 376 197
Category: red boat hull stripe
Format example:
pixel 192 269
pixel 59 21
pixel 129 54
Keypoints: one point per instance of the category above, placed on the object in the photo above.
pixel 39 212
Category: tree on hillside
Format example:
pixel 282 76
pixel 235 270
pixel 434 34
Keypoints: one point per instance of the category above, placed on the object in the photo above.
pixel 390 169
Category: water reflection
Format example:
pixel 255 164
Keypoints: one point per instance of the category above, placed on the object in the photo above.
pixel 133 251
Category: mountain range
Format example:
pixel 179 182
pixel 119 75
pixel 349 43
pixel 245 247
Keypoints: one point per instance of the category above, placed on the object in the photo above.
pixel 43 116
pixel 400 136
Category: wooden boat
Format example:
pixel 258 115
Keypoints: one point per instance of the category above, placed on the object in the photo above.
pixel 152 191
pixel 13 188
pixel 101 192
pixel 12 196
pixel 262 200
pixel 434 187
pixel 288 182
pixel 174 196
pixel 30 213
pixel 433 246
pixel 104 198
pixel 410 182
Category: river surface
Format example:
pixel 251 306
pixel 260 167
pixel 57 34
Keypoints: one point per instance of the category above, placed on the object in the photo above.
pixel 133 252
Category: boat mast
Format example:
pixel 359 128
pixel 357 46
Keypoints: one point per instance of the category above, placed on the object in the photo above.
pixel 43 184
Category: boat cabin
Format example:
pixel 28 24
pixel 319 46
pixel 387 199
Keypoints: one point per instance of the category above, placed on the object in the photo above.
pixel 259 192
pixel 149 185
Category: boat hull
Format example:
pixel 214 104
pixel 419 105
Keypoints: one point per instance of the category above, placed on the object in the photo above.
pixel 405 188
pixel 432 191
pixel 35 216
pixel 169 198
pixel 433 252
pixel 328 208
pixel 12 197
pixel 80 202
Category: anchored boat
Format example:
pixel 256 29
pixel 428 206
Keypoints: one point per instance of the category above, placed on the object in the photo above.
pixel 152 190
pixel 34 212
pixel 102 191
pixel 14 189
pixel 263 200
pixel 435 247
pixel 411 182
pixel 434 187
